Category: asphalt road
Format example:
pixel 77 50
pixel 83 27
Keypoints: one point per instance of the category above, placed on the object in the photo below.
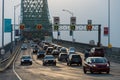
pixel 61 71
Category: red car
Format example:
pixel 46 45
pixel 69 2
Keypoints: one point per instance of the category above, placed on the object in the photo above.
pixel 96 64
pixel 97 51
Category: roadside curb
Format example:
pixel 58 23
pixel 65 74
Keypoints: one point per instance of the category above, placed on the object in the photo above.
pixel 10 60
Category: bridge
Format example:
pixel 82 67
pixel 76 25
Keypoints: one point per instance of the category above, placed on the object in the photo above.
pixel 36 25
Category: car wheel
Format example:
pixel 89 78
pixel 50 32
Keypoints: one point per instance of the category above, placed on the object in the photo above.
pixel 70 64
pixel 108 72
pixel 43 64
pixel 84 70
pixel 21 63
pixel 67 63
pixel 91 71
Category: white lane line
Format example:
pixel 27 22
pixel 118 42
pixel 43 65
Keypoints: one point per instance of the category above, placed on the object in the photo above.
pixel 14 69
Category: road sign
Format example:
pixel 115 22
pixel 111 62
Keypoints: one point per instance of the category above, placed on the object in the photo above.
pixel 106 31
pixel 56 20
pixel 89 27
pixel 22 26
pixel 73 20
pixel 39 26
pixel 89 21
pixel 8 27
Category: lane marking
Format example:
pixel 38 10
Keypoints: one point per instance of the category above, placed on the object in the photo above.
pixel 14 68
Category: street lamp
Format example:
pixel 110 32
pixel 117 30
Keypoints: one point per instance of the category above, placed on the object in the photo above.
pixel 68 12
pixel 72 16
pixel 109 45
pixel 2 50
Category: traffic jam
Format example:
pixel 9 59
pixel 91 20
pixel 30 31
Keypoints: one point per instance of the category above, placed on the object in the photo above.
pixel 92 61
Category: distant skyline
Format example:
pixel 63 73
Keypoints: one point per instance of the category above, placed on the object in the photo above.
pixel 96 10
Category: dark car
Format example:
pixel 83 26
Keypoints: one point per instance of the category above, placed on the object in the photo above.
pixel 49 59
pixel 74 59
pixel 63 50
pixel 58 48
pixel 35 50
pixel 96 64
pixel 97 51
pixel 45 47
pixel 55 52
pixel 41 54
pixel 86 53
pixel 49 50
pixel 24 46
pixel 26 59
pixel 62 57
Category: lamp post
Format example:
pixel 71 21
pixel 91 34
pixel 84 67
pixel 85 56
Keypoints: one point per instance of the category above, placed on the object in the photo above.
pixel 15 19
pixel 2 50
pixel 72 16
pixel 109 45
pixel 2 23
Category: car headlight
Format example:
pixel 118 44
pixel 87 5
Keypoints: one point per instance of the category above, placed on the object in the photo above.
pixel 22 60
pixel 46 61
pixel 108 65
pixel 94 65
pixel 30 59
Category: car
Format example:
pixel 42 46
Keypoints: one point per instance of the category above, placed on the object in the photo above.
pixel 45 47
pixel 74 59
pixel 49 59
pixel 26 59
pixel 55 52
pixel 33 45
pixel 58 48
pixel 49 50
pixel 24 46
pixel 96 64
pixel 62 57
pixel 69 53
pixel 86 53
pixel 35 50
pixel 40 54
pixel 63 50
pixel 72 49
pixel 97 51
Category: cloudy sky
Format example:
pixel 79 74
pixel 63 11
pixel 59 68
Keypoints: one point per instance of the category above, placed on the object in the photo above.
pixel 96 10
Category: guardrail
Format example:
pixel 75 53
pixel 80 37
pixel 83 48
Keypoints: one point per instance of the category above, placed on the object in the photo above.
pixel 6 62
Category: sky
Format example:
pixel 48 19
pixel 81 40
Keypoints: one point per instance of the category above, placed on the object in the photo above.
pixel 96 10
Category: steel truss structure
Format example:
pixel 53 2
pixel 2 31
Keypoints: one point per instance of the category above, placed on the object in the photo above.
pixel 35 12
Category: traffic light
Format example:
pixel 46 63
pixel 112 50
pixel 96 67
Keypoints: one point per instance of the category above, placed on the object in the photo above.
pixel 72 27
pixel 56 27
pixel 39 26
pixel 22 26
pixel 56 23
pixel 89 27
pixel 72 23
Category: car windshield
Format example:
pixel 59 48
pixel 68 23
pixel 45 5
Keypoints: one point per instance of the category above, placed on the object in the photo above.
pixel 64 50
pixel 41 52
pixel 26 57
pixel 98 60
pixel 72 48
pixel 48 57
pixel 76 56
